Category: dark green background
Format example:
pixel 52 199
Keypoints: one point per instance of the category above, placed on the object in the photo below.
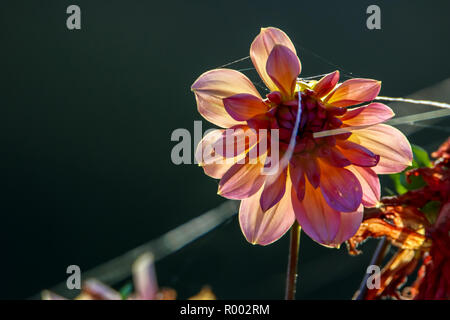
pixel 86 118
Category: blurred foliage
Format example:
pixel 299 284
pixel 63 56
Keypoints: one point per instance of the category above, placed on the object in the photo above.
pixel 401 182
pixel 126 290
pixel 404 184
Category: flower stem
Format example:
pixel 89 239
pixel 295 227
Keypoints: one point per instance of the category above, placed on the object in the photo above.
pixel 291 277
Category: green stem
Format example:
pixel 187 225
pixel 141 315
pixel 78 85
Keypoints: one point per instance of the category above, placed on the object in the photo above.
pixel 291 277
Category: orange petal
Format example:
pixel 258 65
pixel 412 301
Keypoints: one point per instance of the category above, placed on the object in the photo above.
pixel 241 181
pixel 315 216
pixel 215 85
pixel 297 175
pixel 260 50
pixel 244 106
pixel 370 185
pixel 368 115
pixel 312 170
pixel 273 191
pixel 387 142
pixel 354 91
pixel 235 141
pixel 261 227
pixel 357 154
pixel 340 188
pixel 321 222
pixel 283 67
pixel 212 163
pixel 326 84
pixel 349 225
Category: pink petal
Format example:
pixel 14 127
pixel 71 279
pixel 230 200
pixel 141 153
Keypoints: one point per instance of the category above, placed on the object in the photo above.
pixel 387 142
pixel 321 222
pixel 371 114
pixel 340 188
pixel 261 47
pixel 349 224
pixel 316 218
pixel 241 181
pixel 212 163
pixel 357 154
pixel 312 170
pixel 144 277
pixel 213 86
pixel 283 67
pixel 261 121
pixel 273 191
pixel 334 157
pixel 370 185
pixel 326 84
pixel 297 174
pixel 244 106
pixel 99 291
pixel 235 141
pixel 354 91
pixel 261 227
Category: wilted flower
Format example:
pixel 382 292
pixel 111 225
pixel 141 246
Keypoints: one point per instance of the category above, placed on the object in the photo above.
pixel 145 284
pixel 418 223
pixel 326 180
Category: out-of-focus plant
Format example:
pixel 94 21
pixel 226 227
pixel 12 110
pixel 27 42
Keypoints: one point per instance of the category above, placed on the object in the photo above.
pixel 417 223
pixel 144 282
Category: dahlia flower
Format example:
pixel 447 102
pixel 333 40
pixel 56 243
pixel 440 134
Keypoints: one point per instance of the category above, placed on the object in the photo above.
pixel 325 181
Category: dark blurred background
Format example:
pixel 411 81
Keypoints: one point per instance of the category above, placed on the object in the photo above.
pixel 86 118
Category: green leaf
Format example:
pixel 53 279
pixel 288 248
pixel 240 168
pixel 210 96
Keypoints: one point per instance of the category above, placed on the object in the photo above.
pixel 421 156
pixel 126 290
pixel 417 182
pixel 431 210
pixel 420 160
pixel 399 187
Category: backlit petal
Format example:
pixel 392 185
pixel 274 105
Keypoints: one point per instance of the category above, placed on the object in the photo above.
pixel 315 216
pixel 264 228
pixel 371 114
pixel 212 163
pixel 334 157
pixel 312 170
pixel 241 181
pixel 357 154
pixel 323 223
pixel 235 141
pixel 387 142
pixel 297 175
pixel 349 224
pixel 244 106
pixel 354 91
pixel 261 47
pixel 213 86
pixel 273 190
pixel 283 67
pixel 326 84
pixel 340 188
pixel 370 184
